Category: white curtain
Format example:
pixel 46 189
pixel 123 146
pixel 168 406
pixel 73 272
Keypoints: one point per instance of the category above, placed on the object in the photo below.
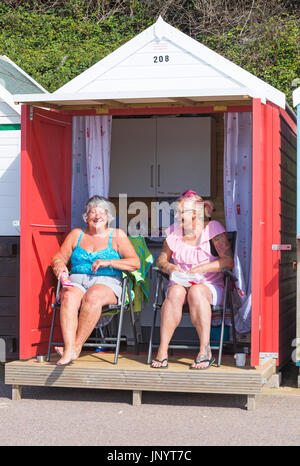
pixel 90 161
pixel 238 204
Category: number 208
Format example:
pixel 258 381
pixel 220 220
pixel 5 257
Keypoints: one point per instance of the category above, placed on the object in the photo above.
pixel 161 58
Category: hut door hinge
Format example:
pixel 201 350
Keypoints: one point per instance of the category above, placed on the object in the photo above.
pixel 268 355
pixel 281 247
pixel 31 113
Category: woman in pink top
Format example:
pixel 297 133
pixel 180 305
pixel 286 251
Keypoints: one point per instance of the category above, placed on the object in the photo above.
pixel 188 246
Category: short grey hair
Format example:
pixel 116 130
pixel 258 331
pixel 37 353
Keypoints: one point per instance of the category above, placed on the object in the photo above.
pixel 100 201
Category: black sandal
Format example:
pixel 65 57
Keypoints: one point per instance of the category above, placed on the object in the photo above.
pixel 200 360
pixel 161 361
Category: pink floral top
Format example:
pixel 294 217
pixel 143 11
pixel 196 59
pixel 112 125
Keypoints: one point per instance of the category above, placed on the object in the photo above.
pixel 187 257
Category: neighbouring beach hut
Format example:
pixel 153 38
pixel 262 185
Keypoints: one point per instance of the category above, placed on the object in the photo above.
pixel 160 115
pixel 296 103
pixel 12 80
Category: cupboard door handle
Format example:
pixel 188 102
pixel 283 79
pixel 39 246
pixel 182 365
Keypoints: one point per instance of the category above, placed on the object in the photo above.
pixel 158 175
pixel 151 176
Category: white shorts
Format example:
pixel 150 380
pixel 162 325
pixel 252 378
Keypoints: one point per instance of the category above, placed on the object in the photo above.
pixel 217 294
pixel 216 291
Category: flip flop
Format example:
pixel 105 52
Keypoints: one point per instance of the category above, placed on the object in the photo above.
pixel 161 361
pixel 198 361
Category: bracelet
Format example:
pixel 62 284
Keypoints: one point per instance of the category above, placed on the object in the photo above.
pixel 110 264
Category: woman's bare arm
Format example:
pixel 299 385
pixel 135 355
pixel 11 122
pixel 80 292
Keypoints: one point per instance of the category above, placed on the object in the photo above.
pixel 62 257
pixel 225 260
pixel 223 248
pixel 163 261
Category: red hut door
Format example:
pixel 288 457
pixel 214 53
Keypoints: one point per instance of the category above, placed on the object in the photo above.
pixel 45 218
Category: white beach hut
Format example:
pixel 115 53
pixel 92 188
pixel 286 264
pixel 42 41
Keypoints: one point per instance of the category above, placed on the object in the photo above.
pixel 12 80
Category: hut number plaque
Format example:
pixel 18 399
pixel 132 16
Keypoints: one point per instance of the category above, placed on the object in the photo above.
pixel 161 58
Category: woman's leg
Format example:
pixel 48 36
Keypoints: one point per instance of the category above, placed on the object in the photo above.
pixel 94 299
pixel 70 304
pixel 171 313
pixel 200 300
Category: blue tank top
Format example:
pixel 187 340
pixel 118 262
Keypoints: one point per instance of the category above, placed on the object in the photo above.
pixel 81 260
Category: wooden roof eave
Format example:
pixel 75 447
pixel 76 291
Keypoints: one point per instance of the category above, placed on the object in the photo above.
pixel 53 102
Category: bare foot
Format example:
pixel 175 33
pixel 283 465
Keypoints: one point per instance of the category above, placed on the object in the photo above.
pixel 67 357
pixel 77 352
pixel 59 350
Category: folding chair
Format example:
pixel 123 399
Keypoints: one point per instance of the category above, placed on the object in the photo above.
pixel 229 278
pixel 105 342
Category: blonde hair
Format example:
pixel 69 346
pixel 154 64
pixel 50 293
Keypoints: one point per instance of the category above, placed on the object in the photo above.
pixel 193 196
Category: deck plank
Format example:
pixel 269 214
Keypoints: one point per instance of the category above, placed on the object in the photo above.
pixel 96 370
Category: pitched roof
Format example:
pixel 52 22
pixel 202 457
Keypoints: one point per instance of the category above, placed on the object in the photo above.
pixel 159 64
pixel 14 80
pixel 296 97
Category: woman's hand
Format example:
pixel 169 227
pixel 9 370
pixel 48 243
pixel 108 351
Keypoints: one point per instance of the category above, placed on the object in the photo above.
pixel 100 264
pixel 163 261
pixel 197 269
pixel 58 268
pixel 173 268
pixel 63 255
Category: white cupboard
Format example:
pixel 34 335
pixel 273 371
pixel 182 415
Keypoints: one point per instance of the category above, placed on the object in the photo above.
pixel 161 156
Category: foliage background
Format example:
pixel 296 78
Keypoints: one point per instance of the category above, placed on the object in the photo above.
pixel 55 40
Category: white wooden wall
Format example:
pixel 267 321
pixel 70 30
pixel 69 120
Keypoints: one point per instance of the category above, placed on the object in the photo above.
pixel 8 115
pixel 9 182
pixel 161 66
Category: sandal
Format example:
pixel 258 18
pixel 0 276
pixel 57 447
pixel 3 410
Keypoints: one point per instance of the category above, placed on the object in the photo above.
pixel 204 357
pixel 161 361
pixel 200 360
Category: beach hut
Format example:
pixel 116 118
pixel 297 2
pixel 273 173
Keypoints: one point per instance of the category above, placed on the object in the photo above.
pixel 12 80
pixel 169 114
pixel 296 103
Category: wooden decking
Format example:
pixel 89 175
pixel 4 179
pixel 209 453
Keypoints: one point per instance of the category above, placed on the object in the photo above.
pixel 96 370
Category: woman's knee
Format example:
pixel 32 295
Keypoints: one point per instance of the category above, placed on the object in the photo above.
pixel 199 295
pixel 92 298
pixel 70 296
pixel 172 306
pixel 176 295
pixel 98 296
pixel 199 304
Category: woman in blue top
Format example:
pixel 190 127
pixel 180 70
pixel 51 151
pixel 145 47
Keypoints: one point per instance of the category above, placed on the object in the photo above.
pixel 98 255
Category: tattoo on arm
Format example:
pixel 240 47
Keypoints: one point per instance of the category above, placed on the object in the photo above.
pixel 222 245
pixel 163 258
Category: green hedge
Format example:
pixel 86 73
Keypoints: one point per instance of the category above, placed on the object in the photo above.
pixel 270 51
pixel 56 46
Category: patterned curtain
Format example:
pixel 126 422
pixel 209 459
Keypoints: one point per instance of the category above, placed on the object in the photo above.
pixel 238 205
pixel 90 161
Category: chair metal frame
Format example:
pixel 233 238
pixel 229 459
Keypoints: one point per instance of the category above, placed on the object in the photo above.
pixel 229 278
pixel 105 342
